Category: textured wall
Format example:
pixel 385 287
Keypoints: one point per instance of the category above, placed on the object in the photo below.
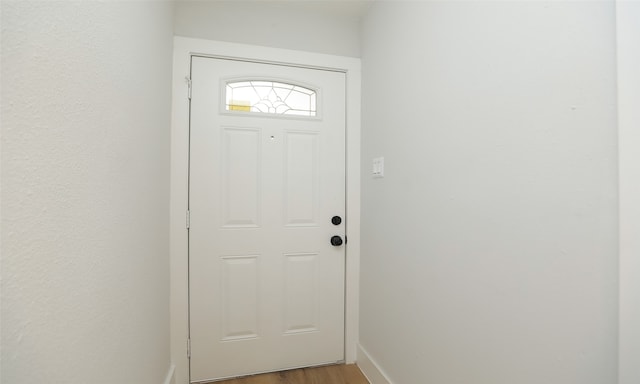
pixel 85 159
pixel 489 250
pixel 314 26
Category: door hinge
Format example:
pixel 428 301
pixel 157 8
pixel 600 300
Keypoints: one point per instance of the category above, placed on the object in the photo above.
pixel 188 348
pixel 188 219
pixel 188 80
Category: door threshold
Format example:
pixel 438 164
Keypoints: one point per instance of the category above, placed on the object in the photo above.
pixel 283 371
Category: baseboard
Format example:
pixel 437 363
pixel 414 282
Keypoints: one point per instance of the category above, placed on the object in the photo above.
pixel 170 379
pixel 370 368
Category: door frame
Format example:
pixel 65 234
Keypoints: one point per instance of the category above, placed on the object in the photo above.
pixel 183 49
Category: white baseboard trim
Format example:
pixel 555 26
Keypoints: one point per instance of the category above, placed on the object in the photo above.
pixel 370 368
pixel 170 379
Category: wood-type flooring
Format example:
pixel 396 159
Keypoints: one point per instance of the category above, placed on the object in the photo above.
pixel 330 374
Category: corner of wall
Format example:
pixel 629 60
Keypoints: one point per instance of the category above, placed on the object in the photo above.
pixel 628 60
pixel 171 379
pixel 372 371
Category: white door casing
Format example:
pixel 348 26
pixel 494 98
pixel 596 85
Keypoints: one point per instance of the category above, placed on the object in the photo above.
pixel 184 49
pixel 266 285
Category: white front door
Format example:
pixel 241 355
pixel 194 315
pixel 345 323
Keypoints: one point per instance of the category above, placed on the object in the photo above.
pixel 266 199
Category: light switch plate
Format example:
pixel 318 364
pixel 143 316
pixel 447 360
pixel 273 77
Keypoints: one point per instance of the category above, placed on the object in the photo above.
pixel 378 167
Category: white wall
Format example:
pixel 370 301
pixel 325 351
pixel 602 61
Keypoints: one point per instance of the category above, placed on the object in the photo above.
pixel 489 250
pixel 85 191
pixel 628 49
pixel 314 26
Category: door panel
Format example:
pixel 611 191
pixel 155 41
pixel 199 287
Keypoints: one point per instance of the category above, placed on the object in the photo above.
pixel 266 286
pixel 241 175
pixel 301 179
pixel 240 297
pixel 301 293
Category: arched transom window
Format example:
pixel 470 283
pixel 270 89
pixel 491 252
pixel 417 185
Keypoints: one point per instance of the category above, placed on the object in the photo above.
pixel 272 97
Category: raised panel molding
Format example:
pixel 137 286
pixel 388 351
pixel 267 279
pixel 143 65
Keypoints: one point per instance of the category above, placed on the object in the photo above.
pixel 301 178
pixel 301 293
pixel 240 297
pixel 241 175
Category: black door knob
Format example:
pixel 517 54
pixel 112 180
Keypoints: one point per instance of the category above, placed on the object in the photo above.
pixel 336 220
pixel 336 241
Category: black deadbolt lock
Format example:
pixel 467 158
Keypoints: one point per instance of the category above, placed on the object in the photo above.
pixel 336 220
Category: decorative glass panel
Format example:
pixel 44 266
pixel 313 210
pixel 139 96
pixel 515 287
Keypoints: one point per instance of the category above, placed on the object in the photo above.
pixel 263 96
